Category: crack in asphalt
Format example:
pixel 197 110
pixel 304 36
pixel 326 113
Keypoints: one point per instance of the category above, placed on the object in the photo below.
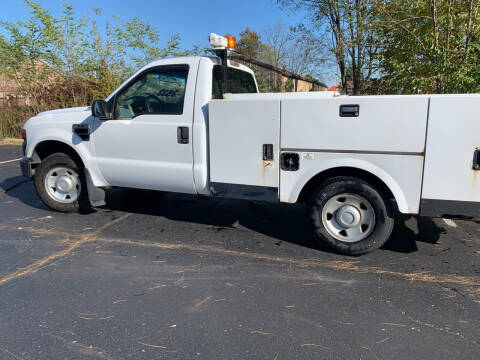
pixel 83 349
pixel 34 267
pixel 443 329
pixel 75 240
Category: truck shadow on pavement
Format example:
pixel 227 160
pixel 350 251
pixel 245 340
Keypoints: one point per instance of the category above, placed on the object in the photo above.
pixel 11 183
pixel 284 222
pixel 410 229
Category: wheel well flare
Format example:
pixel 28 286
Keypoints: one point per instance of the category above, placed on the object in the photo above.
pixel 310 186
pixel 49 147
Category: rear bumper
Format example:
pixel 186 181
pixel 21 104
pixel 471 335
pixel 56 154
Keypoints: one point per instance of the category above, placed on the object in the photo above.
pixel 26 167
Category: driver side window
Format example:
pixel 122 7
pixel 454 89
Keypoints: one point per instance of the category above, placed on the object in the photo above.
pixel 160 91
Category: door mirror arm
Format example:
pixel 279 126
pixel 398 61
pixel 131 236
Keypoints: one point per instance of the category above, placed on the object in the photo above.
pixel 99 110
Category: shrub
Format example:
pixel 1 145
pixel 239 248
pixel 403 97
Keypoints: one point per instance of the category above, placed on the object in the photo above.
pixel 12 117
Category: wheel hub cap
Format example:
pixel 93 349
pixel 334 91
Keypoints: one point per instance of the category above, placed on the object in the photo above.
pixel 348 217
pixel 63 184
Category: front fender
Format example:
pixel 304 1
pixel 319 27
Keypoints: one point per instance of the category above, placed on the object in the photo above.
pixel 84 149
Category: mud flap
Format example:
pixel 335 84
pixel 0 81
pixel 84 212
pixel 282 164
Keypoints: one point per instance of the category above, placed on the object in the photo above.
pixel 96 195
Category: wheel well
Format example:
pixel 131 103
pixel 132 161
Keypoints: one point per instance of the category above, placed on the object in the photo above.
pixel 49 147
pixel 312 184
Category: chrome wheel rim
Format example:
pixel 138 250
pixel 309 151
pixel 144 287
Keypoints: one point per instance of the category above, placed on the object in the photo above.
pixel 63 185
pixel 348 217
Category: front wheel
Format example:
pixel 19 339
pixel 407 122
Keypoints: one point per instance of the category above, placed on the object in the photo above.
pixel 60 184
pixel 349 215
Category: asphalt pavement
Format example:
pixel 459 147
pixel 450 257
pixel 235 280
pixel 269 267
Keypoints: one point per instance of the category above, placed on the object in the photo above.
pixel 169 276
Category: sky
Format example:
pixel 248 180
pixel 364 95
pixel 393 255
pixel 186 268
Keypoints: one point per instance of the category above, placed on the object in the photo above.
pixel 193 20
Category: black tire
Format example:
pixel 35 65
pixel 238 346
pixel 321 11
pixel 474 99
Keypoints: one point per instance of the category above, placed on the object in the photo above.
pixel 41 171
pixel 382 208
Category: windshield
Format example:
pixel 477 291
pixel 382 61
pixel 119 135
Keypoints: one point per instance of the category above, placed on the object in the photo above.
pixel 239 82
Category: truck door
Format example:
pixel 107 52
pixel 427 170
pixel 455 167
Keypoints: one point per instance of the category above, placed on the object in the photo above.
pixel 148 143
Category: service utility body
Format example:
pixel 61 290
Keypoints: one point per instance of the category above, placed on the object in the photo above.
pixel 197 125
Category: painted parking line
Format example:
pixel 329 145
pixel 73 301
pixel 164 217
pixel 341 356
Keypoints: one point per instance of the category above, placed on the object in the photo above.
pixel 9 161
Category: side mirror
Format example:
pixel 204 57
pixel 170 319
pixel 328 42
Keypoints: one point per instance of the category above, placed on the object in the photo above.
pixel 99 110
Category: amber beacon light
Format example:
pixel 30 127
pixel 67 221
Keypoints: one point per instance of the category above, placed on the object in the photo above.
pixel 222 42
pixel 231 41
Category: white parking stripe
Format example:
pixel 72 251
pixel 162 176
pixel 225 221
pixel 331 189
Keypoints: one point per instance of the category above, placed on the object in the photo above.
pixel 9 161
pixel 450 222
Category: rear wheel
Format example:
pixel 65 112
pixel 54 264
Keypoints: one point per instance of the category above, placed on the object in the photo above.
pixel 59 182
pixel 349 215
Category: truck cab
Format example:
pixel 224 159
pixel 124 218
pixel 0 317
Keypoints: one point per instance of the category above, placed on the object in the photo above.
pixel 155 132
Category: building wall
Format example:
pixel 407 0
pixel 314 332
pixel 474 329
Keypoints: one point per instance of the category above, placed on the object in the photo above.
pixel 8 87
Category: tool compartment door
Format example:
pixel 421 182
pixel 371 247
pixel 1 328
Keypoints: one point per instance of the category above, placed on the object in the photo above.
pixel 242 136
pixel 452 137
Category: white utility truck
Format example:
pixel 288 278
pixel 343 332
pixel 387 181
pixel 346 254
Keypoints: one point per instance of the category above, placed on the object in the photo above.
pixel 198 125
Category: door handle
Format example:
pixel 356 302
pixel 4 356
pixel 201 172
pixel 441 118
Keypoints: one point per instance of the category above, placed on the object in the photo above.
pixel 182 135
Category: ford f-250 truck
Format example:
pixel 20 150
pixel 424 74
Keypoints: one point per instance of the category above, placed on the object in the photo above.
pixel 198 125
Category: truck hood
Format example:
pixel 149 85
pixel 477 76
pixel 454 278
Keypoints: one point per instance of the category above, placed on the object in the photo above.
pixel 55 118
pixel 65 111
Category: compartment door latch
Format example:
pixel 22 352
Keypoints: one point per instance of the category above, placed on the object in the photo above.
pixel 476 159
pixel 268 152
pixel 349 110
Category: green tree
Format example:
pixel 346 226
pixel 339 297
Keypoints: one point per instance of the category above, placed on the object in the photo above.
pixel 250 45
pixel 67 61
pixel 46 48
pixel 346 25
pixel 429 46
